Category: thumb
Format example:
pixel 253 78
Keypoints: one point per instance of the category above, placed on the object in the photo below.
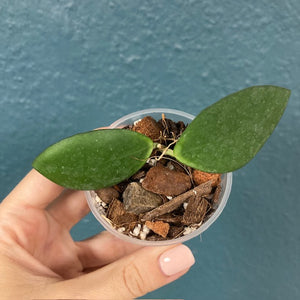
pixel 134 275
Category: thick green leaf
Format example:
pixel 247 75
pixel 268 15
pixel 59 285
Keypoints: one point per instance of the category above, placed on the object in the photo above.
pixel 228 134
pixel 94 159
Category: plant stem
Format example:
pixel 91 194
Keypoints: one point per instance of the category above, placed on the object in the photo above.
pixel 169 152
pixel 156 146
pixel 164 150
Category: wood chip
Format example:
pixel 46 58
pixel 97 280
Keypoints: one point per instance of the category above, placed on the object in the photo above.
pixel 125 219
pixel 195 211
pixel 160 180
pixel 201 190
pixel 159 227
pixel 149 127
pixel 200 177
pixel 139 175
pixel 107 194
pixel 118 215
pixel 175 231
pixel 155 237
pixel 170 218
pixel 216 196
pixel 115 209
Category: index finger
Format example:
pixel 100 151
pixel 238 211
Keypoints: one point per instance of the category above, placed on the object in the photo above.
pixel 34 190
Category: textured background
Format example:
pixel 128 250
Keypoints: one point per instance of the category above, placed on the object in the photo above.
pixel 70 66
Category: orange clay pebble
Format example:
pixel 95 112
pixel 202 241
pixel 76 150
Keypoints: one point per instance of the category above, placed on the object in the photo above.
pixel 201 177
pixel 158 227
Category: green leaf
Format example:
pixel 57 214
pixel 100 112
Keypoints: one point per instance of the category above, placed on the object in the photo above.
pixel 94 159
pixel 228 134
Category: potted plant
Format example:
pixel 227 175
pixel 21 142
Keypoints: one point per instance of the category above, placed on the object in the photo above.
pixel 220 139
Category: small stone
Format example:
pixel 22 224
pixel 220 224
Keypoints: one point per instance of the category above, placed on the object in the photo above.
pixel 201 177
pixel 161 180
pixel 137 200
pixel 159 227
pixel 107 194
pixel 149 127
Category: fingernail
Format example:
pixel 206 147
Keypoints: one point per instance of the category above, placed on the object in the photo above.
pixel 176 260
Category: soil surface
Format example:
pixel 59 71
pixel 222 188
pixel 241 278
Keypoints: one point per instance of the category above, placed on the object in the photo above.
pixel 164 199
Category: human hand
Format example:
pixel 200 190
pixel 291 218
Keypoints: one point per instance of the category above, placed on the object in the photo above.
pixel 39 259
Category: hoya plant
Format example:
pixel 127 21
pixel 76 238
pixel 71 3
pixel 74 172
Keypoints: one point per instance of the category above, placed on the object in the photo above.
pixel 222 138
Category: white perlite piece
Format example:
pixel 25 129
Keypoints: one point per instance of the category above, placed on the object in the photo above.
pixel 121 229
pixel 185 204
pixel 100 208
pixel 136 122
pixel 151 162
pixel 136 230
pixel 99 204
pixel 170 166
pixel 97 198
pixel 188 230
pixel 143 236
pixel 196 226
pixel 169 197
pixel 103 204
pixel 144 232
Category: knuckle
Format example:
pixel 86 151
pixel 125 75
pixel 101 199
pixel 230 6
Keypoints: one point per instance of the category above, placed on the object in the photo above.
pixel 133 280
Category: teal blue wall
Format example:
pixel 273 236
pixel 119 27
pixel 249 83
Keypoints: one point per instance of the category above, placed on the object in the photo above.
pixel 70 66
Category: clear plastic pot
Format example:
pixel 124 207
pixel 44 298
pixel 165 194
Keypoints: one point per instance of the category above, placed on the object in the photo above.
pixel 226 181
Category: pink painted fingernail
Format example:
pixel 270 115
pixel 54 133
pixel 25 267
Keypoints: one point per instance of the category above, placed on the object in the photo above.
pixel 176 260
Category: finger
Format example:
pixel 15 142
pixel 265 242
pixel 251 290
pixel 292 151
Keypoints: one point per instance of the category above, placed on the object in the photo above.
pixel 132 276
pixel 69 208
pixel 103 249
pixel 34 190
